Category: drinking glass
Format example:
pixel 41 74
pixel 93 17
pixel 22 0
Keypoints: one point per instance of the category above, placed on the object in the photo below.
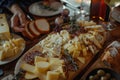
pixel 113 15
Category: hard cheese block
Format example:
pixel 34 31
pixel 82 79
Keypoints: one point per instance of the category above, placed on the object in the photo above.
pixel 4 28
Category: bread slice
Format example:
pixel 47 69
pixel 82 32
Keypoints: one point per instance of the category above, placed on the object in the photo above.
pixel 26 32
pixel 42 25
pixel 33 30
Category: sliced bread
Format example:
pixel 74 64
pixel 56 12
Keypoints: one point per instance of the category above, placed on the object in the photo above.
pixel 33 30
pixel 26 32
pixel 42 26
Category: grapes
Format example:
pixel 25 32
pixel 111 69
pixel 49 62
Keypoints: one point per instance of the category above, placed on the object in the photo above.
pixel 108 75
pixel 91 77
pixel 59 21
pixel 100 74
pixel 103 78
pixel 65 12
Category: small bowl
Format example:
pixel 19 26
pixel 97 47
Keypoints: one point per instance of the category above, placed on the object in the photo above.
pixel 113 74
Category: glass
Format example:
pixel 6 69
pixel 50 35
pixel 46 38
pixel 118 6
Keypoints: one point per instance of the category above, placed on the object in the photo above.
pixel 84 8
pixel 114 16
pixel 99 10
pixel 80 8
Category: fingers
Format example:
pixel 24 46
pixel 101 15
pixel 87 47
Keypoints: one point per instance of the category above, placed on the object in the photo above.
pixel 14 21
pixel 15 24
pixel 18 29
pixel 22 18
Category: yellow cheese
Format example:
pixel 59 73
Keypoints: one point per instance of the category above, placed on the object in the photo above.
pixel 30 76
pixel 52 75
pixel 81 59
pixel 27 67
pixel 4 28
pixel 38 59
pixel 17 42
pixel 42 66
pixel 55 63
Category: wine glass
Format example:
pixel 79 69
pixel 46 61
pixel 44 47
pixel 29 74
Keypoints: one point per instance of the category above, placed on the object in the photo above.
pixel 112 4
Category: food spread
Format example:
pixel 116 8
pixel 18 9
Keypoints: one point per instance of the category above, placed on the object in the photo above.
pixel 62 55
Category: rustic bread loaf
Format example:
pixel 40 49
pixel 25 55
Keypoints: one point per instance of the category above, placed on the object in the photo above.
pixel 33 30
pixel 42 26
pixel 27 32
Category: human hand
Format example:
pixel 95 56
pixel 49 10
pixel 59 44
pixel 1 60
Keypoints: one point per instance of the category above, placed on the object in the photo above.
pixel 18 20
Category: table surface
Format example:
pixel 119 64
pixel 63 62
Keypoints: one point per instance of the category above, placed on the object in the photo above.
pixel 9 68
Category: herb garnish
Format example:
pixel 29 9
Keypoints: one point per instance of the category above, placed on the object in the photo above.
pixel 70 61
pixel 73 26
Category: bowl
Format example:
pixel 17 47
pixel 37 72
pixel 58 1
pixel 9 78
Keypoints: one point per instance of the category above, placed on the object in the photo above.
pixel 103 74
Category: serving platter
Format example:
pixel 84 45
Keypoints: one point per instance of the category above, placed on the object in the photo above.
pixel 40 10
pixel 55 45
pixel 102 63
pixel 8 60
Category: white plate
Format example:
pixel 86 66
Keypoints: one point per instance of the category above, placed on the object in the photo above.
pixel 8 60
pixel 36 9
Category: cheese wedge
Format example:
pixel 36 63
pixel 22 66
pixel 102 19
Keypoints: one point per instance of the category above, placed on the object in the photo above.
pixel 4 28
pixel 30 76
pixel 27 67
pixel 38 59
pixel 52 75
pixel 42 66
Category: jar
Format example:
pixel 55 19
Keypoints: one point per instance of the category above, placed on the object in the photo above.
pixel 115 22
pixel 99 10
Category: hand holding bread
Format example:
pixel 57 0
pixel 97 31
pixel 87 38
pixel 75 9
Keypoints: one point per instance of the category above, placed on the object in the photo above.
pixel 18 20
pixel 34 29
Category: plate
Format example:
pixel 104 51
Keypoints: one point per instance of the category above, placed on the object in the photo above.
pixel 39 10
pixel 8 60
pixel 113 74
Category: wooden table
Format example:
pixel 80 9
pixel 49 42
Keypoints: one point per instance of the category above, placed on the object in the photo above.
pixel 9 68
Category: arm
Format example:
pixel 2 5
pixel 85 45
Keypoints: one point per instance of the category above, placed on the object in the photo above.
pixel 18 20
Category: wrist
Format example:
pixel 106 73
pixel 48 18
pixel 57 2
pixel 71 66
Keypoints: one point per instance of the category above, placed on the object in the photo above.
pixel 15 9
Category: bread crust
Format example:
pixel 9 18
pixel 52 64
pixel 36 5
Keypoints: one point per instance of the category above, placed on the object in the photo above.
pixel 41 24
pixel 33 30
pixel 26 32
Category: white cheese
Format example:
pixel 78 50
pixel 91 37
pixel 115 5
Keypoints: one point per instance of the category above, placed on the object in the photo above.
pixel 52 44
pixel 65 36
pixel 4 28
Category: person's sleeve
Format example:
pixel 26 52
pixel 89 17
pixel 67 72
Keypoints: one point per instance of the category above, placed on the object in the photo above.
pixel 7 3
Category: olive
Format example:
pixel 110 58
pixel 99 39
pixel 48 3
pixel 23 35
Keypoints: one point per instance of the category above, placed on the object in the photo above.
pixel 101 72
pixel 96 77
pixel 59 21
pixel 108 75
pixel 103 78
pixel 91 77
pixel 65 12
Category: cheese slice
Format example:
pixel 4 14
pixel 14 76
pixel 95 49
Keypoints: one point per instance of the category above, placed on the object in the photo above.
pixel 4 28
pixel 52 75
pixel 30 76
pixel 27 67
